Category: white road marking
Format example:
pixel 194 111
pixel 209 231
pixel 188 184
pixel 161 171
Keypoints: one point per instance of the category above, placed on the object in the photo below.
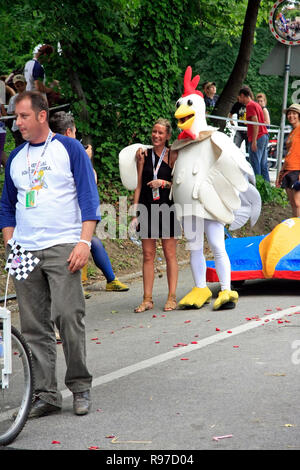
pixel 187 349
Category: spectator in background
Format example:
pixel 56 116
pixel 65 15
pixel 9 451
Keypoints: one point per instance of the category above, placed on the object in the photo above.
pixel 2 92
pixel 34 71
pixel 6 91
pixel 210 97
pixel 262 101
pixel 240 135
pixel 289 176
pixel 257 135
pixel 240 110
pixel 20 85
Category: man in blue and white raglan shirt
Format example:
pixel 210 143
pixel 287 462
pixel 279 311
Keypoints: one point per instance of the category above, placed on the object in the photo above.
pixel 50 206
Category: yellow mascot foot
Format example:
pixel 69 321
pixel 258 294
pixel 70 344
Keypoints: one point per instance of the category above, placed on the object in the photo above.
pixel 196 298
pixel 226 299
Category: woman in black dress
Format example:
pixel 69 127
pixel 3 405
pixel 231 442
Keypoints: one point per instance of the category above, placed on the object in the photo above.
pixel 155 214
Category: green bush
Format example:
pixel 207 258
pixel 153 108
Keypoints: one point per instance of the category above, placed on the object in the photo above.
pixel 269 193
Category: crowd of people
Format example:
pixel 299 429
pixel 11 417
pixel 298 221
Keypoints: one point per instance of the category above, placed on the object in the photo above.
pixel 254 136
pixel 31 78
pixel 50 206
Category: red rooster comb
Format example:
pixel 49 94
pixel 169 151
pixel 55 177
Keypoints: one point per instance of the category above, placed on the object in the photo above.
pixel 190 84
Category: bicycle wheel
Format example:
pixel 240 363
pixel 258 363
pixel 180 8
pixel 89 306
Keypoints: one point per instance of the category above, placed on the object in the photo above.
pixel 16 400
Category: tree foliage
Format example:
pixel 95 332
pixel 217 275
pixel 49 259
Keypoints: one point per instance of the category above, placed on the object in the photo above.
pixel 121 62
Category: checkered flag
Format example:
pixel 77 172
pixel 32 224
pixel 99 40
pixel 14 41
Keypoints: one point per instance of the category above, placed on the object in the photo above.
pixel 20 262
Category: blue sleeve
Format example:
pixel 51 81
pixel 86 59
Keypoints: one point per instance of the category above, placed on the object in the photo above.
pixel 37 71
pixel 81 167
pixel 9 196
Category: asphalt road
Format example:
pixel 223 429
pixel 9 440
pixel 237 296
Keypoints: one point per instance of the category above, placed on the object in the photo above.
pixel 183 380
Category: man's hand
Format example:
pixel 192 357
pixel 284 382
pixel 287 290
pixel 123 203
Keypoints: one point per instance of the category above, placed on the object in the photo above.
pixel 254 146
pixel 78 257
pixel 7 233
pixel 89 150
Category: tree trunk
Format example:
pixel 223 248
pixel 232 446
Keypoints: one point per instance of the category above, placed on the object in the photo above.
pixel 240 69
pixel 77 89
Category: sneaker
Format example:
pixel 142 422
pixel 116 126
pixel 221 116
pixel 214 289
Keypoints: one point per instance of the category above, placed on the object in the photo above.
pixel 42 408
pixel 116 285
pixel 81 402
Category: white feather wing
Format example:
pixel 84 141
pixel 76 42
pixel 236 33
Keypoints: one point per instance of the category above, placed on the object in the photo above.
pixel 127 165
pixel 227 179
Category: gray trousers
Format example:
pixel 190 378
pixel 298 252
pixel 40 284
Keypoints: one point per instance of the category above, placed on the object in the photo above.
pixel 52 295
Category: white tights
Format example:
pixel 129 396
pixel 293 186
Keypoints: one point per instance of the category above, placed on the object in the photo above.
pixel 194 229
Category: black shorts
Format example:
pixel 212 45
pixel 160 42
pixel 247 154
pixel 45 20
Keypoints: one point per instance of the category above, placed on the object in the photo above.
pixel 290 178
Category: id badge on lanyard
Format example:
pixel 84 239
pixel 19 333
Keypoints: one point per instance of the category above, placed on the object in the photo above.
pixel 31 195
pixel 155 191
pixel 31 198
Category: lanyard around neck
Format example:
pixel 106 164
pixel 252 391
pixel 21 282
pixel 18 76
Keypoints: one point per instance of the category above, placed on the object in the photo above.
pixel 155 170
pixel 40 159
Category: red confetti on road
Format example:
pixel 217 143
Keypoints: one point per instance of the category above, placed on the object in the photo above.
pixel 55 442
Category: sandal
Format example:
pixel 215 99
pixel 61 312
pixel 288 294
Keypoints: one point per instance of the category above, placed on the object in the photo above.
pixel 147 304
pixel 171 303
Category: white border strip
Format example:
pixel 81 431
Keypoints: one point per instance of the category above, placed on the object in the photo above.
pixel 183 351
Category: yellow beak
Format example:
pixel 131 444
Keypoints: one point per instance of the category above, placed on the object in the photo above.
pixel 185 116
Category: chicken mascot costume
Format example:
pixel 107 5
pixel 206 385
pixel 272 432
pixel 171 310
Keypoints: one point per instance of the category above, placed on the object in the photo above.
pixel 213 185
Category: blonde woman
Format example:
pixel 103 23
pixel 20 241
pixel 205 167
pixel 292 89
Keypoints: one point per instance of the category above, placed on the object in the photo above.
pixel 261 99
pixel 156 216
